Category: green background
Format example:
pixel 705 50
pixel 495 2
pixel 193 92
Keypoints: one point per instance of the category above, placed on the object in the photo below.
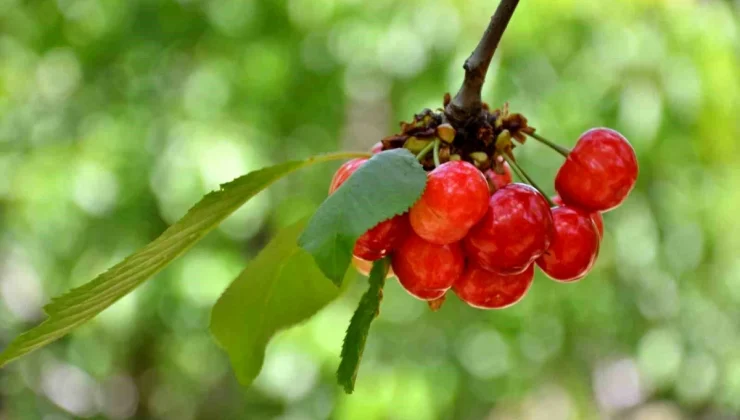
pixel 117 115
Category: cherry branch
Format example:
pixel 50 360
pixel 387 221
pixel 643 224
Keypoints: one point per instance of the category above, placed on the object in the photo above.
pixel 467 102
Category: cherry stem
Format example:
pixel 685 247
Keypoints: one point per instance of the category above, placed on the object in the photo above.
pixel 436 153
pixel 425 151
pixel 556 147
pixel 524 177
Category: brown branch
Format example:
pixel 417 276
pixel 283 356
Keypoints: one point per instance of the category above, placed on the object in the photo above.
pixel 467 102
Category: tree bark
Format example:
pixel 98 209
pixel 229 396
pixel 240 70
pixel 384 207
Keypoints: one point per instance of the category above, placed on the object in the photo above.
pixel 467 103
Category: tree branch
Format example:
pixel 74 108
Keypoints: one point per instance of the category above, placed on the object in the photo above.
pixel 467 102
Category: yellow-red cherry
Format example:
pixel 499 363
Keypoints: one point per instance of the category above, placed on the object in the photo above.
pixel 364 267
pixel 484 289
pixel 515 231
pixel 498 181
pixel 574 247
pixel 427 270
pixel 599 172
pixel 383 237
pixel 455 199
pixel 595 216
pixel 344 172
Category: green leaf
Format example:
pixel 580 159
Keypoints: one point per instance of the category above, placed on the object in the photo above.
pixel 83 303
pixel 278 289
pixel 386 185
pixel 359 326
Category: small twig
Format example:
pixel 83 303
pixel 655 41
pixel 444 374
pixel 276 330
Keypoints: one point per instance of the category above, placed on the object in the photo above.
pixel 556 147
pixel 467 101
pixel 524 177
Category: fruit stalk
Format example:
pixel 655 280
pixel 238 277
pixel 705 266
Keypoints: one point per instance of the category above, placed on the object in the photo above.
pixel 554 146
pixel 436 154
pixel 467 102
pixel 423 154
pixel 524 177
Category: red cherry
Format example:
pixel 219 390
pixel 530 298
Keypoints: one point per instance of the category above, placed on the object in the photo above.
pixel 599 173
pixel 454 200
pixel 595 216
pixel 425 294
pixel 515 231
pixel 386 236
pixel 377 148
pixel 484 289
pixel 363 267
pixel 427 270
pixel 382 238
pixel 343 173
pixel 498 181
pixel 574 247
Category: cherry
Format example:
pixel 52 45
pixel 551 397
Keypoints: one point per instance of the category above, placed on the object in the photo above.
pixel 363 267
pixel 344 172
pixel 427 270
pixel 498 181
pixel 515 231
pixel 599 172
pixel 595 216
pixel 424 294
pixel 386 236
pixel 574 247
pixel 377 148
pixel 454 200
pixel 382 238
pixel 484 289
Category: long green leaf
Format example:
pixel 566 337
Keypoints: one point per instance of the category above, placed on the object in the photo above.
pixel 359 326
pixel 385 186
pixel 83 303
pixel 278 289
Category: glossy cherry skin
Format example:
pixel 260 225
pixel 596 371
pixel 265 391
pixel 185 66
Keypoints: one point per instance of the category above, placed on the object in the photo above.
pixel 515 231
pixel 484 289
pixel 385 236
pixel 595 216
pixel 574 247
pixel 498 181
pixel 599 172
pixel 382 239
pixel 455 199
pixel 427 270
pixel 344 172
pixel 377 148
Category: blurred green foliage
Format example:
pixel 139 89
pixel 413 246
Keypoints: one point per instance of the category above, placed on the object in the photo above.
pixel 116 116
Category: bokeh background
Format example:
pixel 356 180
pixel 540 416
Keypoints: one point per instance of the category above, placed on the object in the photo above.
pixel 117 115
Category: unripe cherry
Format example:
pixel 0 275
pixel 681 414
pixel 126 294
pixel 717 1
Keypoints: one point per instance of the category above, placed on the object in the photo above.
pixel 595 216
pixel 515 231
pixel 455 199
pixel 383 237
pixel 574 247
pixel 427 270
pixel 484 289
pixel 599 172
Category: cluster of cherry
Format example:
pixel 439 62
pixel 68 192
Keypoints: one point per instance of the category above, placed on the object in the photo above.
pixel 481 235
